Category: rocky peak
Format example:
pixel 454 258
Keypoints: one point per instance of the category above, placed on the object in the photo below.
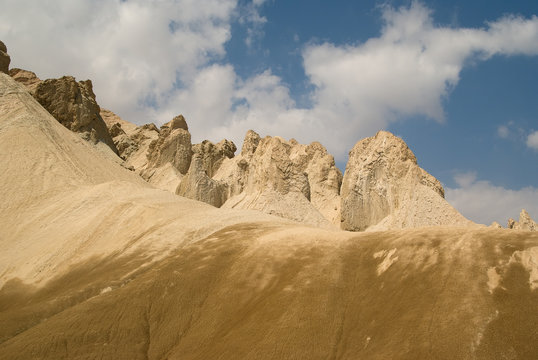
pixel 177 123
pixel 250 143
pixel 73 104
pixel 212 155
pixel 284 178
pixel 206 160
pixel 4 58
pixel 525 222
pixel 383 182
pixel 25 77
pixel 172 146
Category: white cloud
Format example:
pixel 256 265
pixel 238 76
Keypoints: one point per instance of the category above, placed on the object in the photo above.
pixel 503 131
pixel 253 20
pixel 532 140
pixel 465 180
pixel 484 202
pixel 132 50
pixel 150 60
pixel 408 70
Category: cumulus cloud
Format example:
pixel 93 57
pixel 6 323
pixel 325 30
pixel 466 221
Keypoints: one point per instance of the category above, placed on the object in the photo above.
pixel 136 52
pixel 484 202
pixel 408 70
pixel 532 140
pixel 150 60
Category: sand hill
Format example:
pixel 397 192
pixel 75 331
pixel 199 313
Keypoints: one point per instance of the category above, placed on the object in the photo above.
pixel 97 263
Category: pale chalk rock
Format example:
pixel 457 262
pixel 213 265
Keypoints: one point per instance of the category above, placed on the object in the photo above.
pixel 525 223
pixel 283 178
pixel 495 225
pixel 384 188
pixel 149 151
pixel 199 186
pixel 173 146
pixel 198 183
pixel 73 104
pixel 131 141
pixel 4 59
pixel 212 155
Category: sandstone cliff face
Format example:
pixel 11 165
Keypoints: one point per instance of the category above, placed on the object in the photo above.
pixel 384 188
pixel 4 58
pixel 525 222
pixel 73 104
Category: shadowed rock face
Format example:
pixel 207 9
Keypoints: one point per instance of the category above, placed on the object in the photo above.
pixel 384 186
pixel 73 104
pixel 4 58
pixel 25 77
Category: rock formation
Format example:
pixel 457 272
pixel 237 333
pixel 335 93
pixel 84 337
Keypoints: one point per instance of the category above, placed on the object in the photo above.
pixel 284 178
pixel 73 104
pixel 28 78
pixel 525 222
pixel 173 146
pixel 384 188
pixel 4 58
pixel 206 160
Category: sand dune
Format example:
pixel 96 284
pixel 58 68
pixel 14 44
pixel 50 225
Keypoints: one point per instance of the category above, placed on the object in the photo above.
pixel 97 264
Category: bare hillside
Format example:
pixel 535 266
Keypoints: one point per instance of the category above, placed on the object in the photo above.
pixel 95 263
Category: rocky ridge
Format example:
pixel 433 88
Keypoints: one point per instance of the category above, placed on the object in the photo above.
pixel 72 103
pixel 382 188
pixel 284 178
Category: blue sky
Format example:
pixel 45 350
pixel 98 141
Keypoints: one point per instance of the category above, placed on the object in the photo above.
pixel 457 80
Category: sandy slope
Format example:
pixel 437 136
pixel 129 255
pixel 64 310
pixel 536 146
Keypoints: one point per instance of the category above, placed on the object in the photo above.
pixel 97 264
pixel 63 201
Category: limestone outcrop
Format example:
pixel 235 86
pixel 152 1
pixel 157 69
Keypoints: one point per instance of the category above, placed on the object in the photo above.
pixel 4 58
pixel 73 104
pixel 198 183
pixel 284 178
pixel 384 188
pixel 172 146
pixel 525 222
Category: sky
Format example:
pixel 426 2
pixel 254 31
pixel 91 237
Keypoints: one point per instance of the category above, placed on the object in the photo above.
pixel 457 80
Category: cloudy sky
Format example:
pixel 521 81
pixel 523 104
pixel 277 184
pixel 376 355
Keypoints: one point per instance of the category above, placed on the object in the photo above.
pixel 457 80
